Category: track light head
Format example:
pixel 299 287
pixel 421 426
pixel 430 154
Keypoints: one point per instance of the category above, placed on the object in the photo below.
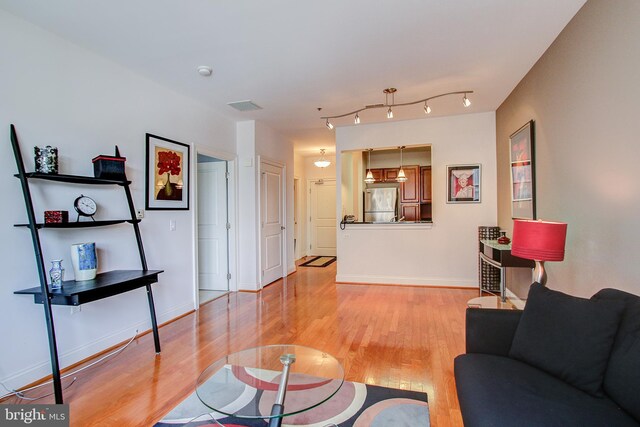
pixel 427 109
pixel 465 101
pixel 389 113
pixel 356 120
pixel 328 125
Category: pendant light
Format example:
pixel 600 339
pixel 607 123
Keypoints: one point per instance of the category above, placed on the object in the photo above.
pixel 322 162
pixel 369 178
pixel 401 176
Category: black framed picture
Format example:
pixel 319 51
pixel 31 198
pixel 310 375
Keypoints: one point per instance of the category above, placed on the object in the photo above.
pixel 167 174
pixel 523 189
pixel 463 183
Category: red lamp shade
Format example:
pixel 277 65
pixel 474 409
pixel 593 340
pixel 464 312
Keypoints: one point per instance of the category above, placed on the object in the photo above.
pixel 539 240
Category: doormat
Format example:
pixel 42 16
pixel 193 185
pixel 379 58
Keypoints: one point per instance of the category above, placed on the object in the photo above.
pixel 354 405
pixel 319 261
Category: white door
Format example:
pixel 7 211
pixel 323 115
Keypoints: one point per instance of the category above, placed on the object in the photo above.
pixel 212 226
pixel 323 217
pixel 272 222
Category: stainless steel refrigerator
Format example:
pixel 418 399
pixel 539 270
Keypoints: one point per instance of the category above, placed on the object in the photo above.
pixel 381 204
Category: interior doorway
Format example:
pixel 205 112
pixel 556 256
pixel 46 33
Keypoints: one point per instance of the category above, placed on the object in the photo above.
pixel 272 220
pixel 322 215
pixel 213 224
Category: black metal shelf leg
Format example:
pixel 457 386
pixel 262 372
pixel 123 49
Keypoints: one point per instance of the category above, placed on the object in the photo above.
pixel 154 322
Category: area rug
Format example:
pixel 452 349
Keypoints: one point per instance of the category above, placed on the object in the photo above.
pixel 319 261
pixel 354 405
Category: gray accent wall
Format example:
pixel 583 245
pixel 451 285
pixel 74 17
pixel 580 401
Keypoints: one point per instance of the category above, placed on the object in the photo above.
pixel 584 95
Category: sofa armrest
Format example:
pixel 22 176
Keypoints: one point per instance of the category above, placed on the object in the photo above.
pixel 491 331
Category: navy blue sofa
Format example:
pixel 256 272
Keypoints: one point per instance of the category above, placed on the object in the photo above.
pixel 499 386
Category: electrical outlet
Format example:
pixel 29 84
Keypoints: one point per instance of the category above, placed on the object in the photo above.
pixel 140 213
pixel 172 225
pixel 75 309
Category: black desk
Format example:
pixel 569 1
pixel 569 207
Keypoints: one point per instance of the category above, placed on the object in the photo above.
pixel 499 256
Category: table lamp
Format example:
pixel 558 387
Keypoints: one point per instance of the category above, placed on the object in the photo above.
pixel 540 241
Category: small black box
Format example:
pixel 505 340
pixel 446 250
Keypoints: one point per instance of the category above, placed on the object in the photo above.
pixel 109 167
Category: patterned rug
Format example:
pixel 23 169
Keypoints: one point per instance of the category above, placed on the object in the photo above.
pixel 319 261
pixel 354 405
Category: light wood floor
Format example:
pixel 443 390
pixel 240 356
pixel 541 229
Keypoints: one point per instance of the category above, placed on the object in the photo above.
pixel 403 337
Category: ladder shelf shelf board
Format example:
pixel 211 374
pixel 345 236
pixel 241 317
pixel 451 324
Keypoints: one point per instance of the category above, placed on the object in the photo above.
pixel 105 284
pixel 81 224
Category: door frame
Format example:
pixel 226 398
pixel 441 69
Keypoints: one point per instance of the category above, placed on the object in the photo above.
pixel 232 213
pixel 311 182
pixel 260 161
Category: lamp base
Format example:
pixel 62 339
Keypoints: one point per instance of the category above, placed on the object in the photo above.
pixel 539 273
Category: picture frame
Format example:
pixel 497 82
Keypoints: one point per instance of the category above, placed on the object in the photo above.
pixel 522 172
pixel 464 183
pixel 166 174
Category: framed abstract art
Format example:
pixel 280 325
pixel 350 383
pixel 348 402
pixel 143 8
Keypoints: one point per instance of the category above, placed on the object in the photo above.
pixel 167 174
pixel 522 171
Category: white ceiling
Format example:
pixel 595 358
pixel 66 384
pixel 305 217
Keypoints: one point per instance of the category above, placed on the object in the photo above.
pixel 293 56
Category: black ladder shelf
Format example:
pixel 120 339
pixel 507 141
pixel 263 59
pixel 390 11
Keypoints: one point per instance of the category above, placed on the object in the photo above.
pixel 75 293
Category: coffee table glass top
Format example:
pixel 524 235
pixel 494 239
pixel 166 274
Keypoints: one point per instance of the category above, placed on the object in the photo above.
pixel 245 384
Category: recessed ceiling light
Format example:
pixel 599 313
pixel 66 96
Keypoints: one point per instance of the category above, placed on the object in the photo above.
pixel 204 70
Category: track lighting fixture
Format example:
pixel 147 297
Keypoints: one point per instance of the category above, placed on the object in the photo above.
pixel 322 162
pixel 465 101
pixel 389 105
pixel 328 125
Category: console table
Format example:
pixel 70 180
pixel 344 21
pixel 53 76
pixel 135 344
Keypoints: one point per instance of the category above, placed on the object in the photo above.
pixel 499 256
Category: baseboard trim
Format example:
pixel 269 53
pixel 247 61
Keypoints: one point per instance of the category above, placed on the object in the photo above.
pixel 436 282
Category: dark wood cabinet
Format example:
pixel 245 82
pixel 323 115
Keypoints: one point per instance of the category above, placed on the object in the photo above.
pixel 425 184
pixel 410 189
pixel 385 175
pixel 378 174
pixel 410 212
pixel 390 175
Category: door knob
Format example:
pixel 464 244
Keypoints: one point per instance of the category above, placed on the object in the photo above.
pixel 282 227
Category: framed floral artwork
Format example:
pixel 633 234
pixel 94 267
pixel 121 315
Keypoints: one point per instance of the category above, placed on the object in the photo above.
pixel 463 184
pixel 523 194
pixel 167 174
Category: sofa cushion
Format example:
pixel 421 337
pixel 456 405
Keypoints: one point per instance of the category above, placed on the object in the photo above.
pixel 499 391
pixel 567 336
pixel 622 378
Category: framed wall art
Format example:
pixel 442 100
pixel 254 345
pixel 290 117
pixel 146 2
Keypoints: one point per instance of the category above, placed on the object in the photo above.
pixel 523 188
pixel 167 174
pixel 463 183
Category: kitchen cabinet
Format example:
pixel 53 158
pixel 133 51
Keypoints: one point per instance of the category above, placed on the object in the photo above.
pixel 425 184
pixel 385 175
pixel 410 189
pixel 410 212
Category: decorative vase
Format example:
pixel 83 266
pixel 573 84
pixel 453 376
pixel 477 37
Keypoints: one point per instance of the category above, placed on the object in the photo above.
pixel 503 239
pixel 56 273
pixel 46 159
pixel 84 261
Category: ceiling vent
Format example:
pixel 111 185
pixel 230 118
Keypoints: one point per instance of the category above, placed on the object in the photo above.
pixel 244 105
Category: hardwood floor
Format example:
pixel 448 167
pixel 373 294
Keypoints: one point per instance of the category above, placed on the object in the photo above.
pixel 403 337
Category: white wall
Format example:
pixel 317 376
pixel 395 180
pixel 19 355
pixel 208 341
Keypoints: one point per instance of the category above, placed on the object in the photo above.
pixel 442 255
pixel 583 95
pixel 59 94
pixel 248 237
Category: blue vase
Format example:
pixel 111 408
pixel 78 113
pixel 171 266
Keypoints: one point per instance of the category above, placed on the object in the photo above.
pixel 56 274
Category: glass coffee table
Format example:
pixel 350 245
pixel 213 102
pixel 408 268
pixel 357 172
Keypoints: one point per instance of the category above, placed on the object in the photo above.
pixel 270 382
